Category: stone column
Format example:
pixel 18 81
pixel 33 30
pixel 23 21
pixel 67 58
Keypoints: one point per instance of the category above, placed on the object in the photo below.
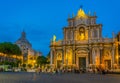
pixel 98 33
pixel 73 55
pixel 89 35
pixel 66 37
pixel 73 35
pixel 116 57
pixel 93 56
pixel 62 57
pixel 90 56
pixel 101 52
pixel 92 34
pixel 113 56
pixel 51 57
pixel 98 55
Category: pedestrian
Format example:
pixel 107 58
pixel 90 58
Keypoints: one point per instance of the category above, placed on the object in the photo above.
pixel 103 72
pixel 39 70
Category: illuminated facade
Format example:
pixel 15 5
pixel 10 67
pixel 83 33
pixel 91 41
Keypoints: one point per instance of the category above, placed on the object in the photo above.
pixel 83 45
pixel 118 48
pixel 13 58
pixel 29 55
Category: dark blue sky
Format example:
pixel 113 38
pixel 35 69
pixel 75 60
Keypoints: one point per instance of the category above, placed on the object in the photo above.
pixel 41 19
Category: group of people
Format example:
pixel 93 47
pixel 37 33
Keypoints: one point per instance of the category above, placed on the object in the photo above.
pixel 64 70
pixel 39 70
pixel 99 71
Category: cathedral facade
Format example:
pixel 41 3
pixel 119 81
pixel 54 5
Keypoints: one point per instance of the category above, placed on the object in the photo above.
pixel 83 45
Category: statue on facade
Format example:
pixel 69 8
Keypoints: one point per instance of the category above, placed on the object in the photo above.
pixel 54 38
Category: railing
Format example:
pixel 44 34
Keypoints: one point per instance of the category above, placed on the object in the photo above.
pixel 108 40
pixel 104 40
pixel 75 42
pixel 56 43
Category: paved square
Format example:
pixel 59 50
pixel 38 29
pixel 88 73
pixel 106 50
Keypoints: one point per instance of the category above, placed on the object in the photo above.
pixel 12 77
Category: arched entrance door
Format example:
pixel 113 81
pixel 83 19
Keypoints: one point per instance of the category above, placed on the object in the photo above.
pixel 107 64
pixel 82 63
pixel 82 59
pixel 107 60
pixel 59 60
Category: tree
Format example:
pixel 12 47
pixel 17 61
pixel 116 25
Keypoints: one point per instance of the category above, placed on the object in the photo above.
pixel 29 65
pixel 41 60
pixel 10 49
pixel 24 65
pixel 48 58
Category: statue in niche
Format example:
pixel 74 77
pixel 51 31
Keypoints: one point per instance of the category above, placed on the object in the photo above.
pixel 81 33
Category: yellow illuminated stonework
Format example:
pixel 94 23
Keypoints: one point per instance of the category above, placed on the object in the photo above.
pixel 31 60
pixel 59 56
pixel 82 36
pixel 81 14
pixel 69 57
pixel 28 54
pixel 97 60
pixel 83 45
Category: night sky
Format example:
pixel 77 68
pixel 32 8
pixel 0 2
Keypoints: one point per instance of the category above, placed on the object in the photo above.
pixel 41 19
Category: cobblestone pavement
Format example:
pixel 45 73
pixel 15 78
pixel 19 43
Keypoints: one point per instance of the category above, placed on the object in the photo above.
pixel 22 77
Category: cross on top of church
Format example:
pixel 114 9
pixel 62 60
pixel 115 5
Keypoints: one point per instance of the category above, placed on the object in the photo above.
pixel 81 6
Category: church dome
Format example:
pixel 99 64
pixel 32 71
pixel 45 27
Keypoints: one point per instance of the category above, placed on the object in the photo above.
pixel 22 40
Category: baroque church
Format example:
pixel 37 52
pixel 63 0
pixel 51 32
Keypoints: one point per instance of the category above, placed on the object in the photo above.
pixel 29 55
pixel 83 45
